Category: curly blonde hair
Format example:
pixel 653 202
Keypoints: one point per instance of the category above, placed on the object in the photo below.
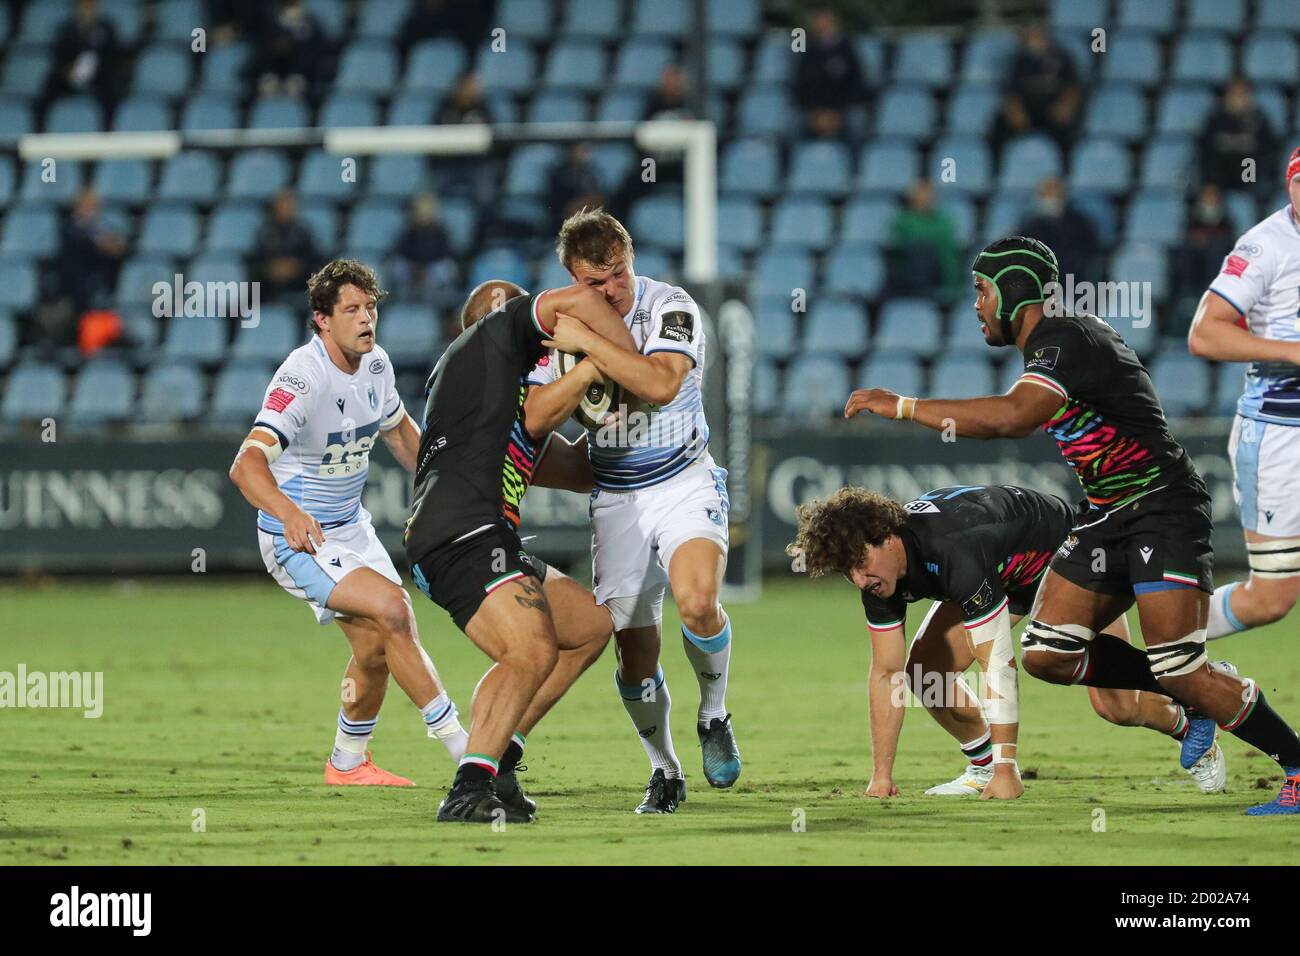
pixel 834 534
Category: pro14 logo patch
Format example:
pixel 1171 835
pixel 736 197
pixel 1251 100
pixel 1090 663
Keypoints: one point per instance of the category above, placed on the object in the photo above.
pixel 678 326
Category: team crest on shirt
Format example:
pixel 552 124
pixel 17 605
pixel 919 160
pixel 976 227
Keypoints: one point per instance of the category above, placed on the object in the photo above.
pixel 376 366
pixel 982 598
pixel 1068 545
pixel 640 317
pixel 372 397
pixel 679 326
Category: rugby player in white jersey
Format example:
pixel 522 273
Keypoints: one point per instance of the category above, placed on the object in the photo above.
pixel 304 466
pixel 1251 313
pixel 659 511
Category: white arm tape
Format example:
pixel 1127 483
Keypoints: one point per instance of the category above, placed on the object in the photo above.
pixel 1000 754
pixel 1274 559
pixel 272 451
pixel 1001 695
pixel 393 420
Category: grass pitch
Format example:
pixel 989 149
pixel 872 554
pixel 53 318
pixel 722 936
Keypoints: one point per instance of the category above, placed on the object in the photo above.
pixel 221 697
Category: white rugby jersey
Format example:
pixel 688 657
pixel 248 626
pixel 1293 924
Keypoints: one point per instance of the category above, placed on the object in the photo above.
pixel 663 318
pixel 1261 280
pixel 327 421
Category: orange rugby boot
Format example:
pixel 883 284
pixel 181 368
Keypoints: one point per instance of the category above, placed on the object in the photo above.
pixel 366 775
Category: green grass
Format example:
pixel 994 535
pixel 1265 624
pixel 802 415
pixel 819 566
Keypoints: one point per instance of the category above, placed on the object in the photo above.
pixel 222 697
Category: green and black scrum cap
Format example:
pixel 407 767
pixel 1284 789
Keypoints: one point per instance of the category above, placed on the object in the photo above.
pixel 1020 269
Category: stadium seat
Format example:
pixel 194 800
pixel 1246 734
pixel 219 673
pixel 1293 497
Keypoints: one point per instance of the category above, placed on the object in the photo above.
pixel 1202 58
pixel 257 174
pixel 906 111
pixel 1242 212
pixel 8 181
pixel 1272 101
pixel 816 386
pixel 1004 214
pixel 410 335
pixel 30 230
pixel 348 109
pixel 1078 14
pixel 1141 262
pixel 740 223
pixel 1100 208
pixel 1133 57
pixel 375 225
pixel 819 168
pixel 1027 161
pixel 433 65
pixel 41 22
pixel 750 167
pixel 533 19
pixel 104 392
pixel 1117 110
pixel 971 110
pixel 579 65
pixel 195 176
pixel 175 19
pixel 1157 15
pixel 780 270
pixel 776 327
pixel 886 368
pixel 412 109
pixel 499 263
pixel 867 219
pixel 210 110
pixel 529 167
pixel 661 217
pixel 924 59
pixel 1215 15
pixel 382 19
pixel 514 73
pixel 276 334
pixel 889 166
pixel 594 19
pixel 909 325
pixel 621 106
pixel 233 227
pixel 18 279
pixel 961 210
pixel 766 393
pixel 835 326
pixel 397 175
pixel 726 64
pixel 238 390
pixel 26 71
pixel 1182 381
pixel 139 114
pixel 614 162
pixel 8 339
pixel 124 180
pixel 171 229
pixel 1271 58
pixel 557 106
pixel 197 339
pixel 165 69
pixel 15 117
pixel 320 176
pixel 1101 164
pixel 1183 109
pixel 35 391
pixel 766 110
pixel 988 57
pixel 1156 217
pixel 802 222
pixel 222 67
pixel 136 279
pixel 972 164
pixel 74 114
pixel 171 392
pixel 962 375
pixel 736 18
pixel 460 219
pixel 774 60
pixel 1276 15
pixel 279 112
pixel 855 270
pixel 1167 162
pixel 1229 383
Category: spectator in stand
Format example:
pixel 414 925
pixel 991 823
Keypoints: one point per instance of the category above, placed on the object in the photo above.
pixel 290 53
pixel 463 20
pixel 90 255
pixel 1237 130
pixel 1043 92
pixel 1210 237
pixel 922 254
pixel 86 57
pixel 284 254
pixel 1070 233
pixel 669 101
pixel 423 258
pixel 574 183
pixel 829 78
pixel 235 19
pixel 466 103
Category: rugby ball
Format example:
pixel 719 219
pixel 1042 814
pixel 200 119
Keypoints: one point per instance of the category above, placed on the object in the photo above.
pixel 602 399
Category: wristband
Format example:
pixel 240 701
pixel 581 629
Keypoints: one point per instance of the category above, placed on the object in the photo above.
pixel 904 410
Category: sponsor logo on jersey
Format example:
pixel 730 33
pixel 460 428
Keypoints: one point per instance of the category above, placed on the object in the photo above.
pixel 1250 250
pixel 982 598
pixel 649 731
pixel 678 326
pixel 376 366
pixel 1068 545
pixel 544 361
pixel 1234 266
pixel 339 403
pixel 295 382
pixel 932 567
pixel 348 452
pixel 279 399
pixel 1044 357
pixel 640 317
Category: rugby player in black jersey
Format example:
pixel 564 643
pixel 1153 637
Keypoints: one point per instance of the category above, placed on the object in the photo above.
pixel 1146 535
pixel 475 462
pixel 979 553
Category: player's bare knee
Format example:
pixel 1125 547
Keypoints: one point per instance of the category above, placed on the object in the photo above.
pixel 1274 604
pixel 396 617
pixel 700 613
pixel 1049 666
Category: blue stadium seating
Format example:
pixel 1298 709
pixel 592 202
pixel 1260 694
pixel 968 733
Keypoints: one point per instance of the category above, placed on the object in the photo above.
pixel 774 60
pixel 725 64
pixel 18 279
pixel 766 110
pixel 1182 381
pixel 279 112
pixel 972 109
pixel 171 392
pixel 434 64
pixel 30 230
pixel 104 392
pixel 910 325
pixel 776 327
pixel 1276 15
pixel 1102 164
pixel 26 71
pixel 597 19
pixel 499 263
pixel 867 219
pixel 165 70
pixel 35 391
pixel 176 19
pixel 661 217
pixel 1271 58
pixel 1117 109
pixel 1183 109
pixel 1202 58
pixel 412 109
pixel 766 393
pixel 15 117
pixel 1167 161
pixel 348 109
pixel 410 335
pixel 142 114
pixel 172 229
pixel 855 270
pixel 897 371
pixel 375 225
pixel 802 222
pixel 816 386
pixel 397 175
pixel 192 175
pixel 532 19
pixel 1027 161
pixel 988 57
pixel 925 59
pixel 962 375
pixel 222 67
pixel 257 174
pixel 75 114
pixel 552 106
pixel 233 227
pixel 819 168
pixel 835 326
pixel 1216 15
pixel 1156 217
pixel 740 223
pixel 320 176
pixel 737 18
pixel 576 65
pixel 8 338
pixel 906 111
pixel 780 270
pixel 197 339
pixel 210 110
pixel 512 73
pixel 973 164
pixel 621 106
pixel 1141 262
pixel 1078 14
pixel 275 335
pixel 889 165
pixel 750 166
pixel 41 22
pixel 238 390
pixel 382 18
pixel 1133 58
